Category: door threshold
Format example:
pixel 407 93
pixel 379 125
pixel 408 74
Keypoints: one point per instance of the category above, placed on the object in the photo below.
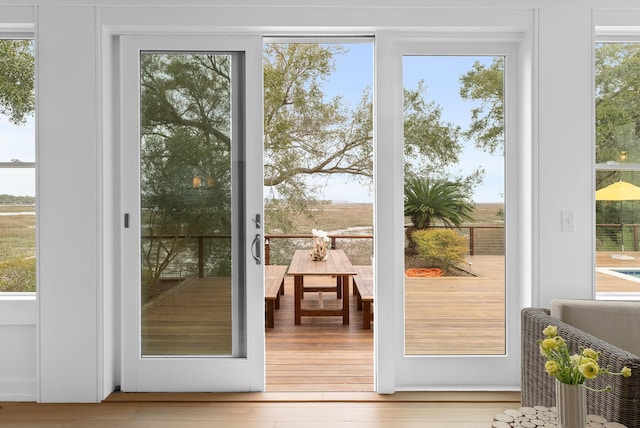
pixel 292 397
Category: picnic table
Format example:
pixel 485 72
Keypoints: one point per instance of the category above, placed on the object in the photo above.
pixel 337 264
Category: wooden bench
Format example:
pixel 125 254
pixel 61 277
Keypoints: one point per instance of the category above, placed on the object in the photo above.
pixel 273 289
pixel 363 290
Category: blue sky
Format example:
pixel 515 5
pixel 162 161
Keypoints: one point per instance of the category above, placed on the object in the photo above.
pixel 441 74
pixel 17 142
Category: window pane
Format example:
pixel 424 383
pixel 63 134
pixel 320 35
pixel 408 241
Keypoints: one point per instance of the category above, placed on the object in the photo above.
pixel 186 200
pixel 17 167
pixel 617 170
pixel 454 205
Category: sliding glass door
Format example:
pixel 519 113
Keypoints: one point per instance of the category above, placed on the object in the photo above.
pixel 456 257
pixel 192 208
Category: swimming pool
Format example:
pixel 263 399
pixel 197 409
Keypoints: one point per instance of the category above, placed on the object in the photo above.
pixel 630 274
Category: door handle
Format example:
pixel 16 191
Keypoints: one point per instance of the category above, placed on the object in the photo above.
pixel 255 249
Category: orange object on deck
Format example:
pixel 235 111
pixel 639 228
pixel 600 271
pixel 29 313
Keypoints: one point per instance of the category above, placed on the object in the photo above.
pixel 422 272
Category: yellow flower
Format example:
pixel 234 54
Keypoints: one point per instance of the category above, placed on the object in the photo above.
pixel 589 369
pixel 572 368
pixel 548 344
pixel 576 359
pixel 590 353
pixel 559 341
pixel 551 367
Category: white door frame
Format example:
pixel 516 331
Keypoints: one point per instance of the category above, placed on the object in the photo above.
pixel 394 370
pixel 242 373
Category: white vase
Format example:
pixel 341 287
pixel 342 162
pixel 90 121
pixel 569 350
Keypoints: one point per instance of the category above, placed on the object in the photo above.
pixel 571 402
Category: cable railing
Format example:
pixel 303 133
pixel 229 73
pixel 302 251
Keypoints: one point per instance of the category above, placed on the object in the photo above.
pixel 614 237
pixel 278 248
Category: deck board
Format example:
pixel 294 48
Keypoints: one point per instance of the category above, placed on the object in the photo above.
pixel 444 315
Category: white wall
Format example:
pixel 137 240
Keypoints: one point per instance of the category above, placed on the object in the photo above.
pixel 69 217
pixel 77 279
pixel 565 154
pixel 18 339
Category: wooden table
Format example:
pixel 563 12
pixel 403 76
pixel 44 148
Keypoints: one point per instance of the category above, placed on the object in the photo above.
pixel 337 264
pixel 543 417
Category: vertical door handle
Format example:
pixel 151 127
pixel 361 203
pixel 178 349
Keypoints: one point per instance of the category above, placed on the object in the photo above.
pixel 255 249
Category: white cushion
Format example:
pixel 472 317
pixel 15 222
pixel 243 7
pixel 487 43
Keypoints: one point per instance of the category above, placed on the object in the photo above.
pixel 615 322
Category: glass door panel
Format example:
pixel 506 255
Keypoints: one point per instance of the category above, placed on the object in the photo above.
pixel 454 205
pixel 186 202
pixel 193 294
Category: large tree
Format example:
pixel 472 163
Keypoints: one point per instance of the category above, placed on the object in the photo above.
pixel 185 127
pixel 185 155
pixel 617 105
pixel 432 147
pixel 17 100
pixel 305 132
pixel 485 84
pixel 617 125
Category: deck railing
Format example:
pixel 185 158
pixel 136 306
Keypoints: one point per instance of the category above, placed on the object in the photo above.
pixel 487 240
pixel 483 240
pixel 611 237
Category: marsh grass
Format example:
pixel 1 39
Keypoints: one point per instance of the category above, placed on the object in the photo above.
pixel 17 236
pixel 17 248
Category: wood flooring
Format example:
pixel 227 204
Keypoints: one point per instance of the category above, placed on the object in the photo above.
pixel 355 410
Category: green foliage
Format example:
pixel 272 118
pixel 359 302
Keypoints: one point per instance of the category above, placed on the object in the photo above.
pixel 617 107
pixel 304 132
pixel 17 200
pixel 487 120
pixel 430 145
pixel 442 248
pixel 427 201
pixel 18 274
pixel 186 128
pixel 17 79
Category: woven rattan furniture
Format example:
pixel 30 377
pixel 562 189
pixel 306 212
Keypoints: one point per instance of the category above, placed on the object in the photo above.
pixel 622 405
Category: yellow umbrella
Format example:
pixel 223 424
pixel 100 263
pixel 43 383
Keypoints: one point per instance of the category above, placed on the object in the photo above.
pixel 619 191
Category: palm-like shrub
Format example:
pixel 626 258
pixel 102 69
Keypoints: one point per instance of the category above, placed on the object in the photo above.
pixel 428 202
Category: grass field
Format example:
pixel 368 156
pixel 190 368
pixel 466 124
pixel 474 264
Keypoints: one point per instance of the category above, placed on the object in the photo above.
pixel 342 216
pixel 17 248
pixel 18 229
pixel 17 232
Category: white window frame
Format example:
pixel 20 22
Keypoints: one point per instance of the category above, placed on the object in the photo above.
pixel 611 33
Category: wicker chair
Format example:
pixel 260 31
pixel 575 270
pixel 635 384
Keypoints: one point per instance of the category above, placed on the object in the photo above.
pixel 622 405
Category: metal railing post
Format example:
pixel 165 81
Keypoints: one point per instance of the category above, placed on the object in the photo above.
pixel 200 256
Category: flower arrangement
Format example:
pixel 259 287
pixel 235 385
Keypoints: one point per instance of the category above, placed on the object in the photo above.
pixel 320 243
pixel 572 369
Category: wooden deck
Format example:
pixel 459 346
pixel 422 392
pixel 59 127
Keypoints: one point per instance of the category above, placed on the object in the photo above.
pixel 457 315
pixel 444 316
pixel 322 355
pixel 607 283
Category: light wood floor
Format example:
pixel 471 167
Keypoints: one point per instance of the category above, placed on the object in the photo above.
pixel 359 410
